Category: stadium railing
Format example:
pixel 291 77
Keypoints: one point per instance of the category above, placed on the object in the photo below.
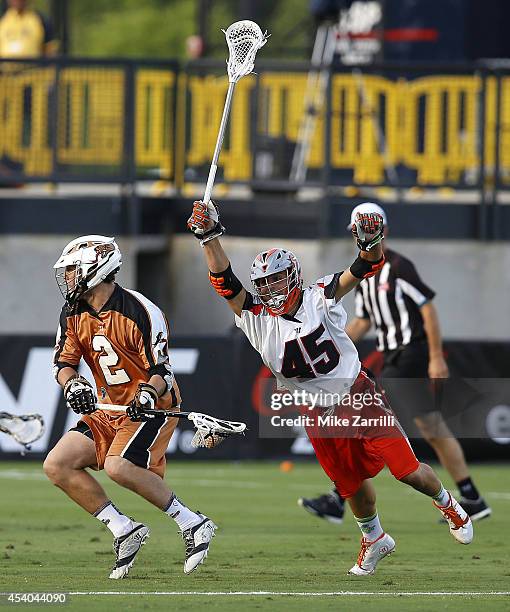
pixel 93 120
pixel 122 121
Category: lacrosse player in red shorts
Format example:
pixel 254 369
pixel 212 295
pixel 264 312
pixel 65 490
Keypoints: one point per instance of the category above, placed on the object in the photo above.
pixel 300 335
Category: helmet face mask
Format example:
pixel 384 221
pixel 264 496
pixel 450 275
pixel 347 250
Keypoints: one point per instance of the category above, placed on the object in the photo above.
pixel 68 280
pixel 276 278
pixel 85 262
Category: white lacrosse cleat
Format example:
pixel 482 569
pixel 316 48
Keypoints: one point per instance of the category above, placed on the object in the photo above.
pixel 458 520
pixel 371 553
pixel 196 540
pixel 126 548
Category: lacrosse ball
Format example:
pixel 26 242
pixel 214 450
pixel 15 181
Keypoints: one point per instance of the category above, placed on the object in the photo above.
pixel 286 466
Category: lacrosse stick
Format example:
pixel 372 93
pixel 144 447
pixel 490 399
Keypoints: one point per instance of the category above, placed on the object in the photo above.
pixel 244 39
pixel 24 428
pixel 210 430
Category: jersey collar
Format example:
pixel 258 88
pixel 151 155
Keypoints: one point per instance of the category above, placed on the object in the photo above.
pixel 85 306
pixel 292 318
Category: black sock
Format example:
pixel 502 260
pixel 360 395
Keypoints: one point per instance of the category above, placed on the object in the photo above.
pixel 467 489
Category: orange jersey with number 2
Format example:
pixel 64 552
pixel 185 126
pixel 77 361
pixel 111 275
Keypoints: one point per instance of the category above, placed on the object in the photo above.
pixel 125 343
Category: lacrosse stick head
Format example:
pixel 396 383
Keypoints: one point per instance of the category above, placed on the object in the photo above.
pixel 244 39
pixel 211 432
pixel 25 429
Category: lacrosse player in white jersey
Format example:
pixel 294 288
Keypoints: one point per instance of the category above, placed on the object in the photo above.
pixel 300 336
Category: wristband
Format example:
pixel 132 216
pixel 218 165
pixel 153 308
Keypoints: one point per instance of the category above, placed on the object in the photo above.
pixel 362 268
pixel 73 378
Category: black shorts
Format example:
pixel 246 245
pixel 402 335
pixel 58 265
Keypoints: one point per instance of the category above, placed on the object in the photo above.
pixel 408 361
pixel 406 382
pixel 412 394
pixel 83 428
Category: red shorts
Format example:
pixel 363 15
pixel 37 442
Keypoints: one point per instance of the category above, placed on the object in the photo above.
pixel 363 453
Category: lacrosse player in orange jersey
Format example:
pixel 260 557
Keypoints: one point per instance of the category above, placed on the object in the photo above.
pixel 123 337
pixel 300 334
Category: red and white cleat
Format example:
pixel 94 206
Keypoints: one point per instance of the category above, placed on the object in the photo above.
pixel 371 553
pixel 458 519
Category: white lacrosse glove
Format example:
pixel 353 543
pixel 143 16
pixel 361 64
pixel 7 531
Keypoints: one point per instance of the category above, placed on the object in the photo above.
pixel 204 222
pixel 146 398
pixel 368 230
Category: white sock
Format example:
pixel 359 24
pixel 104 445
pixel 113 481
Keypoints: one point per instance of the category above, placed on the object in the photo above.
pixel 182 515
pixel 119 524
pixel 370 527
pixel 442 498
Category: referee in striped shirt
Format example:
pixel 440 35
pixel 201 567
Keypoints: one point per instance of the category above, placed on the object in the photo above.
pixel 398 304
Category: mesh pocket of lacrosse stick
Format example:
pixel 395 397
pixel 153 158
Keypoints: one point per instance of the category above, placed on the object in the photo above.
pixel 244 39
pixel 25 428
pixel 211 432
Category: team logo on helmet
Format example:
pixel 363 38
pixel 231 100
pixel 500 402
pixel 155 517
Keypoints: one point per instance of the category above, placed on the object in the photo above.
pixel 102 249
pixel 276 278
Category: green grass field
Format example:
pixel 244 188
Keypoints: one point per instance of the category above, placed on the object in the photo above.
pixel 265 542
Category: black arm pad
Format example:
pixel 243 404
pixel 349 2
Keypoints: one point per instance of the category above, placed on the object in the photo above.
pixel 362 268
pixel 226 283
pixel 165 371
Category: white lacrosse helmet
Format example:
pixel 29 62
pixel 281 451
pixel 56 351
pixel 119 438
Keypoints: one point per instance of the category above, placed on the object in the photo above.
pixel 278 294
pixel 85 262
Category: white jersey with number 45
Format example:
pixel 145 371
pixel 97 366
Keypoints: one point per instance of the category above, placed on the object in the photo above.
pixel 307 352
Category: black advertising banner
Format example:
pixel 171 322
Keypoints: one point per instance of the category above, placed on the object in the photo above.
pixel 203 369
pixel 225 377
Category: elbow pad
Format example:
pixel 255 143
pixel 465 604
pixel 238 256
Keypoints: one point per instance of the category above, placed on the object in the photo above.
pixel 226 283
pixel 362 268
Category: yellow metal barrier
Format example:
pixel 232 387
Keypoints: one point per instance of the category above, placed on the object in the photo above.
pixel 24 135
pixel 282 97
pixel 154 120
pixel 356 140
pixel 504 143
pixel 91 104
pixel 431 125
pixel 450 138
pixel 90 123
pixel 206 106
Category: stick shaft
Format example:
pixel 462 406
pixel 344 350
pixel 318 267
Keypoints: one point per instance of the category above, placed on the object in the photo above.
pixel 180 415
pixel 219 144
pixel 162 413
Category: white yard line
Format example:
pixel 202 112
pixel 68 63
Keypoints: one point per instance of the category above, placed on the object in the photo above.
pixel 26 475
pixel 35 475
pixel 300 594
pixel 22 475
pixel 497 495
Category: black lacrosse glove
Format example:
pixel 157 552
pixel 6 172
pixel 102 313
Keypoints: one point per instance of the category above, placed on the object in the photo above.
pixel 145 398
pixel 80 396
